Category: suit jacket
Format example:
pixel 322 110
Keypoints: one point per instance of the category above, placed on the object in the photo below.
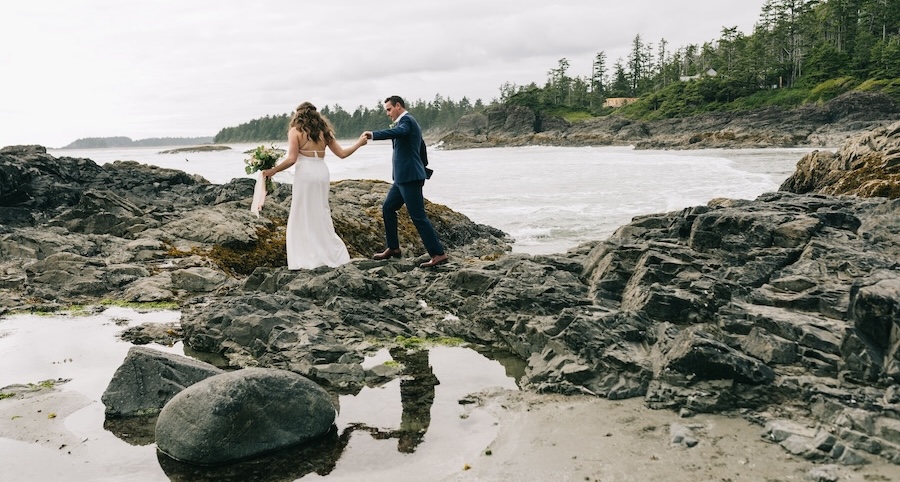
pixel 410 157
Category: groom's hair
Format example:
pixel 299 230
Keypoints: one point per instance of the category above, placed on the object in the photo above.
pixel 394 100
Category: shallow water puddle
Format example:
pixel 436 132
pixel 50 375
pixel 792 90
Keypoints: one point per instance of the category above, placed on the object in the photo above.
pixel 413 426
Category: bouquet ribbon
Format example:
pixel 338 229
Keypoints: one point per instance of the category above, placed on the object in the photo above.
pixel 259 194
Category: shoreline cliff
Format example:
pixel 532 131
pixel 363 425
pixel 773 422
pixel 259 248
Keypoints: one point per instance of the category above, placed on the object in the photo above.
pixel 828 125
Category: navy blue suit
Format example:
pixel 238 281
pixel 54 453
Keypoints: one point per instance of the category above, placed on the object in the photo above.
pixel 409 173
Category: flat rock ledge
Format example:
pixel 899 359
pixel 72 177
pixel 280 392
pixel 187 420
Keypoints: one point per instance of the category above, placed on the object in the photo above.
pixel 74 232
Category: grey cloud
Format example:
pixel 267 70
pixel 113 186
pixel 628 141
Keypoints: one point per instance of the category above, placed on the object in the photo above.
pixel 203 65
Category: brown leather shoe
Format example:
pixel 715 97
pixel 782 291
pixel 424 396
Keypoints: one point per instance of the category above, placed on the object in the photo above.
pixel 435 261
pixel 387 254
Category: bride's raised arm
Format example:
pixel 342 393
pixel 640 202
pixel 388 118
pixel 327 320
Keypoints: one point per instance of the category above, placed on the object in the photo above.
pixel 342 152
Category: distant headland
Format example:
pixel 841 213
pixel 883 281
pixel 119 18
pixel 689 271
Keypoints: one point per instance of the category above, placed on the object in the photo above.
pixel 121 141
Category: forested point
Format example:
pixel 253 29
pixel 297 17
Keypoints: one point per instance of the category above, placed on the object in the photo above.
pixel 800 51
pixel 438 112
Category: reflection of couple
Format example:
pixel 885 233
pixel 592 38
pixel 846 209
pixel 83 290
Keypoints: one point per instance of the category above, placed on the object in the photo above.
pixel 311 239
pixel 417 382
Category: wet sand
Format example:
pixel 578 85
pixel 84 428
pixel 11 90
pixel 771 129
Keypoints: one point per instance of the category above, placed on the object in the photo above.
pixel 581 438
pixel 534 438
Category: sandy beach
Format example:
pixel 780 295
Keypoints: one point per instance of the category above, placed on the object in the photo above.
pixel 582 438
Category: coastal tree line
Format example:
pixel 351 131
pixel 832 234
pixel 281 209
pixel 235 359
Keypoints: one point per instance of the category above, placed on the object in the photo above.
pixel 799 51
pixel 436 113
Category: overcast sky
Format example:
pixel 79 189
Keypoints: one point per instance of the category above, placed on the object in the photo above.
pixel 173 68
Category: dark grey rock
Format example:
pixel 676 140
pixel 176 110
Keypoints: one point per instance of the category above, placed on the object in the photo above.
pixel 825 473
pixel 801 447
pixel 682 435
pixel 847 456
pixel 147 379
pixel 771 349
pixel 779 430
pixel 241 414
pixel 698 354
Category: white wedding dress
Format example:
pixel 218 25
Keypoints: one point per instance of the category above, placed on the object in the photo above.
pixel 311 240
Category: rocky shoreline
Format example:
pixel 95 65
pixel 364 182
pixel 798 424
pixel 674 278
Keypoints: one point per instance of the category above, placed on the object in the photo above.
pixel 827 125
pixel 784 309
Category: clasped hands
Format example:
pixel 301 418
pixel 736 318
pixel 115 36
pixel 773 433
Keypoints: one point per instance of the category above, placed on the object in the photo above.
pixel 363 140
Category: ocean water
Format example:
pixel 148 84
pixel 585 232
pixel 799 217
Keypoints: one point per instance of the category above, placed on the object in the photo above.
pixel 549 199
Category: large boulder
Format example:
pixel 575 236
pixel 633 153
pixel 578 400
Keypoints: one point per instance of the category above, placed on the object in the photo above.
pixel 241 414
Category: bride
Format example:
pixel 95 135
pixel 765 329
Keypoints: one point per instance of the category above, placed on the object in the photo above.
pixel 311 240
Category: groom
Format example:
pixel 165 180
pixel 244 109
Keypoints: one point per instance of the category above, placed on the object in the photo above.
pixel 409 174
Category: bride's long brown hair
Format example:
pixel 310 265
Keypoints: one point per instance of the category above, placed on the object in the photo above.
pixel 308 120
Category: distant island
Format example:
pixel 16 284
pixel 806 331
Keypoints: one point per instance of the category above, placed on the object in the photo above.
pixel 121 141
pixel 206 148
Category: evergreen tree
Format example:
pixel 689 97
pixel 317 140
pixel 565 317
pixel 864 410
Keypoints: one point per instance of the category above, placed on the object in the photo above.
pixel 621 86
pixel 598 79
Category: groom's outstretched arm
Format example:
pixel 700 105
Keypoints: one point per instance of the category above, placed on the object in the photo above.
pixel 402 129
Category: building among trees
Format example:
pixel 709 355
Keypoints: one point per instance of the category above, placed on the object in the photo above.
pixel 616 102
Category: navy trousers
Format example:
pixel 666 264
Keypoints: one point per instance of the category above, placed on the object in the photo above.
pixel 409 193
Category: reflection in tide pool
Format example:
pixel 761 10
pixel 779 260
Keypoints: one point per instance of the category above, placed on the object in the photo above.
pixel 413 426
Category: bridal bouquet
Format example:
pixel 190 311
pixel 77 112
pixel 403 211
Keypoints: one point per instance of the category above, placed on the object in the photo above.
pixel 260 159
pixel 263 158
